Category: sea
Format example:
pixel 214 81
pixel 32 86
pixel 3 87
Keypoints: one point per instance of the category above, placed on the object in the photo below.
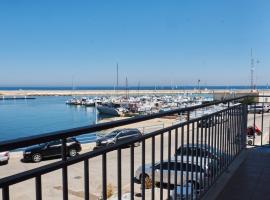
pixel 27 117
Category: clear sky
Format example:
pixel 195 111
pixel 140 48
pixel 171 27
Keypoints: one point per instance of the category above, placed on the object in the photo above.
pixel 155 42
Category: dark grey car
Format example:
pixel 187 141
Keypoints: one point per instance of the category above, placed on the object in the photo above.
pixel 118 136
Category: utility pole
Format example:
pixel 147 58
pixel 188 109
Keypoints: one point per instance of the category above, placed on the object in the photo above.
pixel 199 85
pixel 252 69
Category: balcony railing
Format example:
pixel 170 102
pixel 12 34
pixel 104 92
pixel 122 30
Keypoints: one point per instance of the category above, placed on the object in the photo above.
pixel 182 160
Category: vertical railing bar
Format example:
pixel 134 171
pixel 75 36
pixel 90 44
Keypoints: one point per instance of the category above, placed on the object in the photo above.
pixel 214 145
pixel 153 169
pixel 38 188
pixel 169 164
pixel 208 146
pixel 205 149
pixel 181 164
pixel 64 169
pixel 192 160
pixel 236 124
pixel 86 180
pixel 218 143
pixel 132 172
pixel 143 170
pixel 245 125
pixel 211 149
pixel 5 193
pixel 262 123
pixel 119 173
pixel 241 131
pixel 254 123
pixel 229 137
pixel 161 165
pixel 226 138
pixel 175 164
pixel 197 147
pixel 235 132
pixel 104 176
pixel 201 155
pixel 187 154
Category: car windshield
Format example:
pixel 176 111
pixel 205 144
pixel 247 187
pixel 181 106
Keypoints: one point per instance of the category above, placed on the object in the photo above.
pixel 112 134
pixel 42 144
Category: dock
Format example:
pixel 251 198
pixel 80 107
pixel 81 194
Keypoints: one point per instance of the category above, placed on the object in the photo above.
pixel 3 98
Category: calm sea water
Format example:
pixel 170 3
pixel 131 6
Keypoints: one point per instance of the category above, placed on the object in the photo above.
pixel 20 118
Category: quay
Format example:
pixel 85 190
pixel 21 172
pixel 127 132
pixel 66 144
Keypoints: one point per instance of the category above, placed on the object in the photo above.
pixel 216 92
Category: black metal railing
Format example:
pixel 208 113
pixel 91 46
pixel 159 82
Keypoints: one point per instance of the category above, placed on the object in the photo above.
pixel 258 121
pixel 185 158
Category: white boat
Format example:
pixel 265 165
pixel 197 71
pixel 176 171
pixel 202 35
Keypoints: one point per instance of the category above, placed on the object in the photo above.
pixel 73 101
pixel 89 102
pixel 111 109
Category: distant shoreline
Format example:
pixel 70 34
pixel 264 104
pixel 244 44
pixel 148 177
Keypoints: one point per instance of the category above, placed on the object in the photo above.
pixel 114 92
pixel 132 87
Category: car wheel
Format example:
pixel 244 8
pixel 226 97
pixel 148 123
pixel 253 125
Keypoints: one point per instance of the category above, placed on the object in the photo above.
pixel 36 157
pixel 147 181
pixel 72 152
pixel 4 162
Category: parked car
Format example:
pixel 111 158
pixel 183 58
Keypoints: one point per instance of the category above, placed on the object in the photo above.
pixel 118 136
pixel 186 189
pixel 187 167
pixel 51 149
pixel 258 108
pixel 203 150
pixel 4 157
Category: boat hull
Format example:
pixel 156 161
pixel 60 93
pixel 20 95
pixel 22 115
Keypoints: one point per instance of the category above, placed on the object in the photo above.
pixel 108 110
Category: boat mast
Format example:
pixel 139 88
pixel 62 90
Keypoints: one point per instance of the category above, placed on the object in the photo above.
pixel 127 93
pixel 139 84
pixel 117 83
pixel 72 93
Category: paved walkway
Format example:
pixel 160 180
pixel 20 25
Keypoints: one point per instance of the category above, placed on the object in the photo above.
pixel 251 181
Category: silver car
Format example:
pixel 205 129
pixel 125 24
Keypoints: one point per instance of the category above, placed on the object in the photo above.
pixel 199 170
pixel 4 157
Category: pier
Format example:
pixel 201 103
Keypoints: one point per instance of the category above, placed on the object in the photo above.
pixel 3 98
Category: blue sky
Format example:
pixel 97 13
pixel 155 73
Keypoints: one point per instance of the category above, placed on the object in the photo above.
pixel 155 42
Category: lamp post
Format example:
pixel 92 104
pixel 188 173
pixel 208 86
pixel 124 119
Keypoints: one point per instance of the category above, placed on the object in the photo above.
pixel 199 85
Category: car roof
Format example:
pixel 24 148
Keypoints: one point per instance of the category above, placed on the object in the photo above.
pixel 201 146
pixel 126 130
pixel 188 159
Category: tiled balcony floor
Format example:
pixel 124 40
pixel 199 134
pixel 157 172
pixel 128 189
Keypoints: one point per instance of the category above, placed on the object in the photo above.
pixel 252 179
